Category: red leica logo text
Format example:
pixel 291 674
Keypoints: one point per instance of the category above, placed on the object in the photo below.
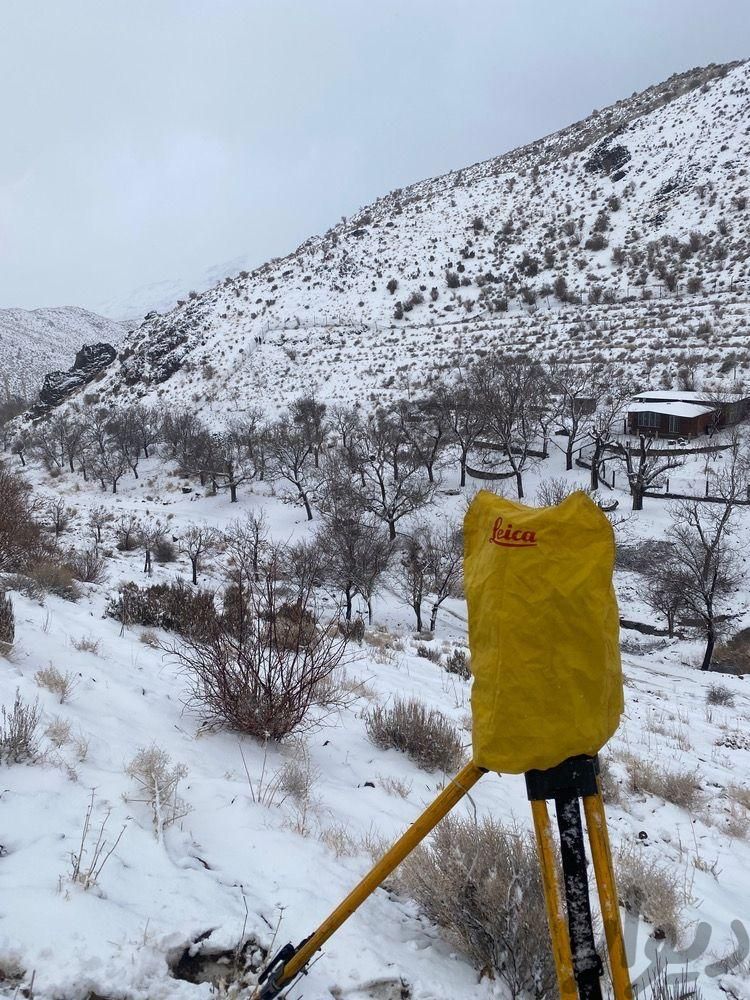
pixel 510 537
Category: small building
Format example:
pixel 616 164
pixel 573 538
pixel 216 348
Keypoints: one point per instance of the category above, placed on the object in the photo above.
pixel 670 420
pixel 672 413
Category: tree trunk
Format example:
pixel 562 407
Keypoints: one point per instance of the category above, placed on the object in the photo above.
pixel 418 612
pixel 710 643
pixel 637 492
pixel 70 463
pixel 569 455
pixel 392 530
pixel 519 484
pixel 433 617
pixel 194 564
pixel 463 469
pixel 348 595
pixel 23 460
pixel 233 492
pixel 369 610
pixel 308 508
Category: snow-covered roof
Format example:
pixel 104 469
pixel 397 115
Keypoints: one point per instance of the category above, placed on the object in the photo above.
pixel 687 396
pixel 672 409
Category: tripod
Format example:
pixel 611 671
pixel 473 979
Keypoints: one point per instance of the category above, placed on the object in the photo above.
pixel 577 964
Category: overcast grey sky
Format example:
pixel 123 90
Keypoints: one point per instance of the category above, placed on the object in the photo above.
pixel 150 139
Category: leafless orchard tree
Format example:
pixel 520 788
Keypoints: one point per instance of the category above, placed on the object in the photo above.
pixel 291 452
pixel 579 386
pixel 705 548
pixel 607 422
pixel 309 417
pixel 196 543
pixel 425 431
pixel 444 557
pixel 464 418
pixel 643 466
pixel 513 394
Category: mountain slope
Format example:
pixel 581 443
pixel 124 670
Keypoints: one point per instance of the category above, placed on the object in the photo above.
pixel 35 342
pixel 633 219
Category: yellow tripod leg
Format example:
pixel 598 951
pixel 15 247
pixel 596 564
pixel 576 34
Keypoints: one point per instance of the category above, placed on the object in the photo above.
pixel 601 855
pixel 419 829
pixel 553 899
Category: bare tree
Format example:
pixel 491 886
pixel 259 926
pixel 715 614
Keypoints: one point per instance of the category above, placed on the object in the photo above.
pixel 579 387
pixel 59 515
pixel 309 416
pixel 425 431
pixel 666 589
pixel 701 533
pixel 98 517
pixel 110 467
pixel 606 421
pixel 413 571
pixel 147 425
pixel 196 543
pixel 19 531
pixel 643 467
pixel 444 563
pixel 291 451
pixel 513 394
pixel 464 418
pixel 151 532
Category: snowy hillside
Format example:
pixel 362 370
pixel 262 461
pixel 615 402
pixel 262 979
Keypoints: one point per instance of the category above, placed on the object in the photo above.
pixel 35 342
pixel 634 220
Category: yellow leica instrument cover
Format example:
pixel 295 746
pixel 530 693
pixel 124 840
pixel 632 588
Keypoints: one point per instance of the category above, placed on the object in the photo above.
pixel 543 631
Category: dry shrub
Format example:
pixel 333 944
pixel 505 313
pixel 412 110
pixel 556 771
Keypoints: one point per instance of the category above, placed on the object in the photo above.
pixel 481 882
pixel 58 683
pixel 19 732
pixel 610 786
pixel 733 656
pixel 426 652
pixel 553 491
pixel 424 735
pixel 172 606
pixel 54 578
pixel 739 794
pixel 395 786
pixel 20 536
pixel 682 787
pixel 459 663
pixel 7 620
pixel 719 694
pixel 339 840
pixel 86 644
pixel 270 679
pixel 158 779
pixel 649 890
pixel 149 638
pixel 87 567
pixel 58 732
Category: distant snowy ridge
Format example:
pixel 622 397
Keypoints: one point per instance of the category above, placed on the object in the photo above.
pixel 37 341
pixel 161 296
pixel 626 234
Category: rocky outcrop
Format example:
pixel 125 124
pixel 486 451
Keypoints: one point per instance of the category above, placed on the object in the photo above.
pixel 89 362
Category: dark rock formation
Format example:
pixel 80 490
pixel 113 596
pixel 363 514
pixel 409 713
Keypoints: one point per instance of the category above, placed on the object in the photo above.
pixel 89 362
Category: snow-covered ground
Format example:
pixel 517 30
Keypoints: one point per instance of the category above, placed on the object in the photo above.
pixel 232 868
